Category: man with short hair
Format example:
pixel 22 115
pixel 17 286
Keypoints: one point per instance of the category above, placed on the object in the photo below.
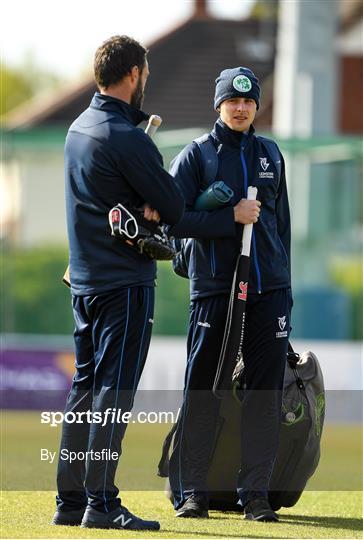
pixel 108 160
pixel 210 251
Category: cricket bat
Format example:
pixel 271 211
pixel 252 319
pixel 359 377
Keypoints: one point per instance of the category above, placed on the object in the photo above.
pixel 153 124
pixel 231 351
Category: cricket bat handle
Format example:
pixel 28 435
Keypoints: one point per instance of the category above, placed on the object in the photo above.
pixel 247 229
pixel 153 124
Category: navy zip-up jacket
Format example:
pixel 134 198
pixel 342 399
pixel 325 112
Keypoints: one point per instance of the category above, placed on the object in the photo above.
pixel 108 160
pixel 214 239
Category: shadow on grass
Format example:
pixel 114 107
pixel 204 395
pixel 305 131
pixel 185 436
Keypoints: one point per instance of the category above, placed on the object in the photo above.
pixel 353 524
pixel 220 535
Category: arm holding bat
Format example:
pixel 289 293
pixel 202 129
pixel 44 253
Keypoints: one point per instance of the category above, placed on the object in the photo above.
pixel 247 211
pixel 152 239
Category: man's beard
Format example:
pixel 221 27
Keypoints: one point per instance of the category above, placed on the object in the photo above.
pixel 137 97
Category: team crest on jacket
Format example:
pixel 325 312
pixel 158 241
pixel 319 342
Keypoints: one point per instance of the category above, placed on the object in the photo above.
pixel 282 323
pixel 264 163
pixel 264 166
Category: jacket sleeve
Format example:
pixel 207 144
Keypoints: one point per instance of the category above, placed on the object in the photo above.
pixel 143 168
pixel 283 214
pixel 187 172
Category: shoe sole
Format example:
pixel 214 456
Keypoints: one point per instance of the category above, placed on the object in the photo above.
pixel 191 514
pixel 66 523
pixel 68 519
pixel 265 518
pixel 90 525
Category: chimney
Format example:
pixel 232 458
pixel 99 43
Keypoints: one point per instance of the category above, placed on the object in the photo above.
pixel 200 10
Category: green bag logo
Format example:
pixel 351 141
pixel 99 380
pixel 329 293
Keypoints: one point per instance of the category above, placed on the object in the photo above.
pixel 319 411
pixel 241 83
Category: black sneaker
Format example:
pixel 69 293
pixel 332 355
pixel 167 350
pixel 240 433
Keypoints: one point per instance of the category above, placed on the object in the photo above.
pixel 259 510
pixel 70 519
pixel 120 518
pixel 194 507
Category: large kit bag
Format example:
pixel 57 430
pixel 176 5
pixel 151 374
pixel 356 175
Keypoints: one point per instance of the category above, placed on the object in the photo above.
pixel 302 419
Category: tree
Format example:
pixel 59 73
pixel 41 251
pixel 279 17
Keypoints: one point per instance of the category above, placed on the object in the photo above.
pixel 18 84
pixel 265 9
pixel 15 88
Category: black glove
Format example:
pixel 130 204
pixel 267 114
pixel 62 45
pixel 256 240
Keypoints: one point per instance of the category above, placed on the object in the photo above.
pixel 146 236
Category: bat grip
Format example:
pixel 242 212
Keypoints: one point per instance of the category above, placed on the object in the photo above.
pixel 153 124
pixel 247 229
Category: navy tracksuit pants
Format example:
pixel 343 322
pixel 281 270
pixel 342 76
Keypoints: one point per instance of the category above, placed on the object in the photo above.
pixel 112 337
pixel 264 353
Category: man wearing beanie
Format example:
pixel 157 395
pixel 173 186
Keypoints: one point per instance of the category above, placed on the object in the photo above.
pixel 213 240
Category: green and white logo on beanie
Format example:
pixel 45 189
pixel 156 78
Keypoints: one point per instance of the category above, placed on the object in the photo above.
pixel 241 83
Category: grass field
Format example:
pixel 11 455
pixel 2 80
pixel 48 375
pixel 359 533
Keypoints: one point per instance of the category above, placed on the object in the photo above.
pixel 316 515
pixel 23 436
pixel 332 507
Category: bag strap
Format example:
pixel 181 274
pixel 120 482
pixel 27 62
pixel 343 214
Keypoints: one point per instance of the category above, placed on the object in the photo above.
pixel 209 157
pixel 163 466
pixel 293 359
pixel 292 356
pixel 274 153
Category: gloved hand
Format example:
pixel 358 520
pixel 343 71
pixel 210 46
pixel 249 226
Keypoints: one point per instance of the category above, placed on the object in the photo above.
pixel 148 237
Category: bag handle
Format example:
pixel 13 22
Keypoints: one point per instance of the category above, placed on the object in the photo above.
pixel 292 356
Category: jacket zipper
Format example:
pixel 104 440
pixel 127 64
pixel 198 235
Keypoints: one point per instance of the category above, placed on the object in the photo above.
pixel 212 258
pixel 254 249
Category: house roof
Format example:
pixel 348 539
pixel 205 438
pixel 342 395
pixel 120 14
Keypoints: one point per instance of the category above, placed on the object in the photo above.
pixel 184 64
pixel 350 14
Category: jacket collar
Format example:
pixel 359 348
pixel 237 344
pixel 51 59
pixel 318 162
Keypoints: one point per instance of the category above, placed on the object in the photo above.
pixel 225 135
pixel 111 104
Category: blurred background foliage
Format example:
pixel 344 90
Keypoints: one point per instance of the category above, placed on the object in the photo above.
pixel 21 83
pixel 35 300
pixel 347 274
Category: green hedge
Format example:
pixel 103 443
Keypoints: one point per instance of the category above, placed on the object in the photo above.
pixel 34 300
pixel 346 273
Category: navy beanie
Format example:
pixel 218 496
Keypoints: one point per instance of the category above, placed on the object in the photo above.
pixel 237 82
